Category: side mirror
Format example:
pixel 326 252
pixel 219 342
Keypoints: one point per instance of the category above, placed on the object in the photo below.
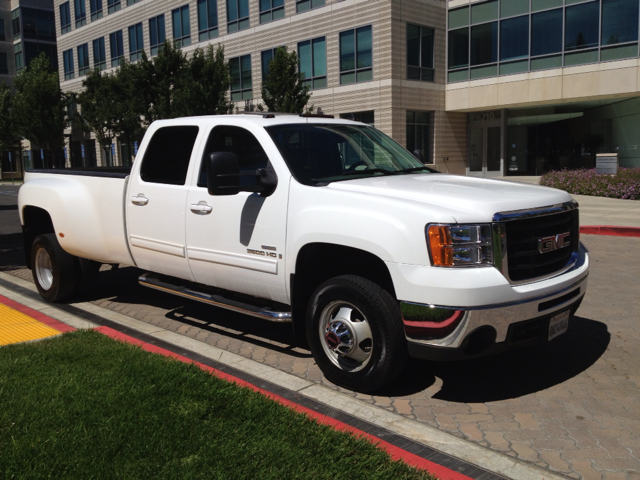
pixel 223 174
pixel 419 155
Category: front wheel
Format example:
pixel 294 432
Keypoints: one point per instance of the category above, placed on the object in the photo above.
pixel 355 333
pixel 54 270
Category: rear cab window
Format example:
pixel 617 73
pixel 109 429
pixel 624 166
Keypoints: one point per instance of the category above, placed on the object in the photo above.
pixel 166 159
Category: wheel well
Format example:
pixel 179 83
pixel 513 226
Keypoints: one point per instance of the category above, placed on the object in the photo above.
pixel 318 262
pixel 36 222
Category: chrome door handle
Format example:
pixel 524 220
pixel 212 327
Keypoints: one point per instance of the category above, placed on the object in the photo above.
pixel 201 208
pixel 140 199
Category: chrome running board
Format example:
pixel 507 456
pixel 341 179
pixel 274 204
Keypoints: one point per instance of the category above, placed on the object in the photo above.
pixel 152 280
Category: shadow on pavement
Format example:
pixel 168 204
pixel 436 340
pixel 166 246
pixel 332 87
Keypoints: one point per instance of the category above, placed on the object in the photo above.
pixel 120 285
pixel 510 374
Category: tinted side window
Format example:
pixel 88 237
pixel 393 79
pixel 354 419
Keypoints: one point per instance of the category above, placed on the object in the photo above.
pixel 167 157
pixel 239 141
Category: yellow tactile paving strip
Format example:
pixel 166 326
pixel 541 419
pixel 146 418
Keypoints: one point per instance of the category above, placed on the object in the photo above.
pixel 16 327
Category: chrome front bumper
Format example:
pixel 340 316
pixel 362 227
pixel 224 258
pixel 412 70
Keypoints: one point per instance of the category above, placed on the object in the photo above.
pixel 498 317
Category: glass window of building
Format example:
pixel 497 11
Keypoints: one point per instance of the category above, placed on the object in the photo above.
pixel 581 26
pixel 4 67
pixel 83 59
pixel 419 134
pixel 514 38
pixel 420 53
pixel 80 13
pixel 271 10
pixel 113 6
pixel 136 42
pixel 96 9
pixel 132 2
pixel 240 69
pixel 484 43
pixel 356 59
pixel 546 32
pixel 181 27
pixel 15 23
pixel 2 35
pixel 38 24
pixel 17 51
pixel 458 53
pixel 67 58
pixel 156 33
pixel 33 49
pixel 312 55
pixel 237 15
pixel 99 54
pixel 367 116
pixel 265 58
pixel 304 5
pixel 619 21
pixel 65 18
pixel 207 19
pixel 117 48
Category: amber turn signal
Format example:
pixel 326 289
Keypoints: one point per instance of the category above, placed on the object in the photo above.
pixel 441 245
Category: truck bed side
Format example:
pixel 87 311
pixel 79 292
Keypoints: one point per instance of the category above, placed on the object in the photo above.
pixel 85 209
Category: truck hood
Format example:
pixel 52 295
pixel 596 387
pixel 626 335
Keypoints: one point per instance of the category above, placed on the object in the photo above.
pixel 465 198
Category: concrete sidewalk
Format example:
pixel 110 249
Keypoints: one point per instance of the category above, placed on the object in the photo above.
pixel 598 210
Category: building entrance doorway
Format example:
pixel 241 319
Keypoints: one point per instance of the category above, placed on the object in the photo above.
pixel 484 159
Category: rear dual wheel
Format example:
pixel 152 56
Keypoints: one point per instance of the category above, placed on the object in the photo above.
pixel 58 274
pixel 355 332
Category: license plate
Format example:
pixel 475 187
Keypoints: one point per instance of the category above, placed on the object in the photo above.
pixel 558 324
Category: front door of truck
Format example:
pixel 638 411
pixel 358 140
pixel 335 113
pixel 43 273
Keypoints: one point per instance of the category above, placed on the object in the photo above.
pixel 156 199
pixel 237 242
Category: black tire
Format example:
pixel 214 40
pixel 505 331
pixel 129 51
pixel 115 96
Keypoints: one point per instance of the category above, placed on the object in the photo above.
pixel 54 270
pixel 355 333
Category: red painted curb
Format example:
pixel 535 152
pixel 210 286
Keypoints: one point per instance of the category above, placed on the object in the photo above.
pixel 41 317
pixel 610 230
pixel 396 453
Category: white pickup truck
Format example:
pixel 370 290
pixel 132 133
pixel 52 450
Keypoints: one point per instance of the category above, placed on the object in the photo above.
pixel 325 223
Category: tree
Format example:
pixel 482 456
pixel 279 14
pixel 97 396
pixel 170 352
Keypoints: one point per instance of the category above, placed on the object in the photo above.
pixel 39 106
pixel 98 107
pixel 203 88
pixel 282 90
pixel 7 129
pixel 161 79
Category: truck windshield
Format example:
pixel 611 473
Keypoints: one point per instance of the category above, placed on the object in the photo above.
pixel 324 153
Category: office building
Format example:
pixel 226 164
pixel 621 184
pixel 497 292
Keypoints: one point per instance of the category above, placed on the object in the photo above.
pixel 546 84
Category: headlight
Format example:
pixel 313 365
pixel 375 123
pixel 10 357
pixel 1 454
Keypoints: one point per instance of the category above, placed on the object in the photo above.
pixel 460 245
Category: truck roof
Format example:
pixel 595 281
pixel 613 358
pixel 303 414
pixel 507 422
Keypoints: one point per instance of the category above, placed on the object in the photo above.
pixel 264 119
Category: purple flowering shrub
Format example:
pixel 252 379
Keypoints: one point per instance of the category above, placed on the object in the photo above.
pixel 625 185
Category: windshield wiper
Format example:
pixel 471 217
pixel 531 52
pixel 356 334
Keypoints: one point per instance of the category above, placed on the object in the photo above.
pixel 416 169
pixel 371 170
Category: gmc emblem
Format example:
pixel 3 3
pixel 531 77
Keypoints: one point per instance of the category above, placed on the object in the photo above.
pixel 556 242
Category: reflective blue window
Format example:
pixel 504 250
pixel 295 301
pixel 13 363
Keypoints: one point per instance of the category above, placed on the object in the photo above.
pixel 514 38
pixel 619 21
pixel 546 32
pixel 459 48
pixel 156 33
pixel 581 26
pixel 484 43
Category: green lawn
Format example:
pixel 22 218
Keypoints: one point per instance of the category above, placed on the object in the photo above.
pixel 85 406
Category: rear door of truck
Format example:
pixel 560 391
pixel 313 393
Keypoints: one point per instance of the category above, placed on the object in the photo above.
pixel 157 197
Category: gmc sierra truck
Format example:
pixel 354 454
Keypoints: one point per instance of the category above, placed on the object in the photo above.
pixel 325 223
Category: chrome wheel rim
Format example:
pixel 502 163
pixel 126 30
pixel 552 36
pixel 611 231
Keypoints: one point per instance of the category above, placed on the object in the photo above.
pixel 44 270
pixel 345 335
